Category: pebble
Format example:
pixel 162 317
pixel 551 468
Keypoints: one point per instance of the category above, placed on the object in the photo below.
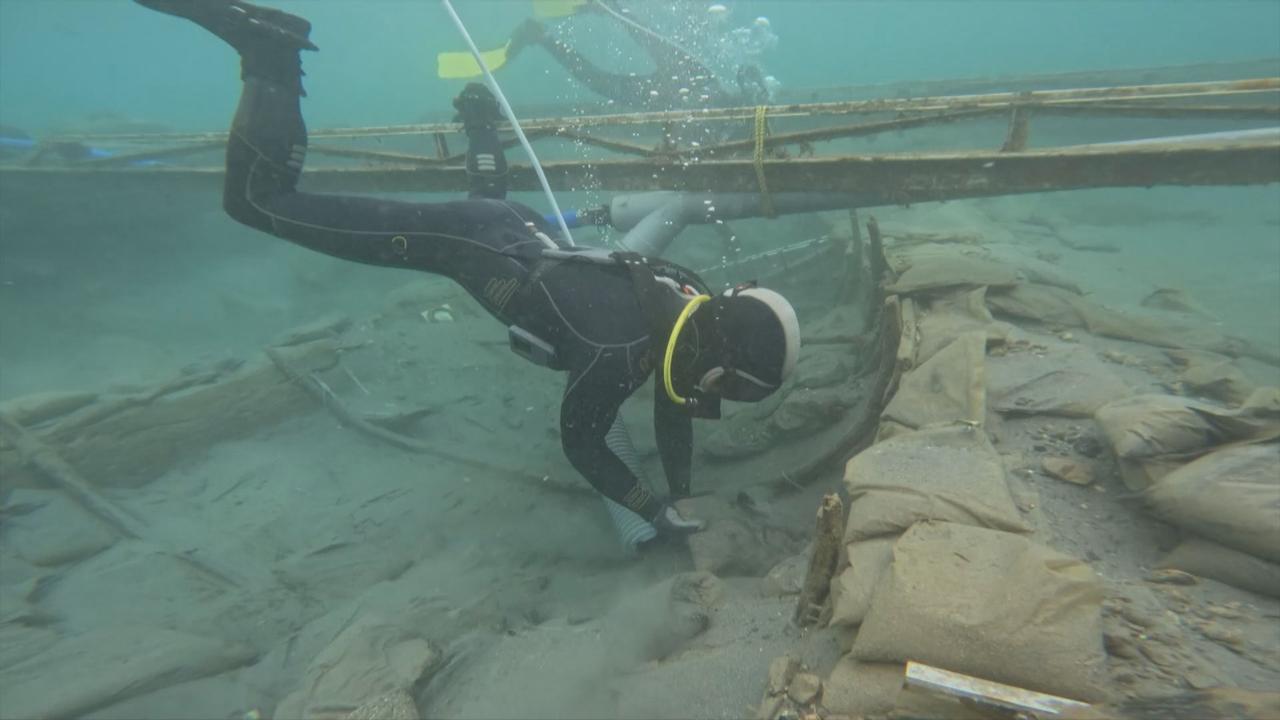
pixel 1067 469
pixel 1172 577
pixel 804 688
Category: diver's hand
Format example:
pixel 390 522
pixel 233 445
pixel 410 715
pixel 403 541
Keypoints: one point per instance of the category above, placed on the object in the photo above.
pixel 476 107
pixel 671 524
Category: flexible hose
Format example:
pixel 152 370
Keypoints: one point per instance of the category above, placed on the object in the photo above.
pixel 511 118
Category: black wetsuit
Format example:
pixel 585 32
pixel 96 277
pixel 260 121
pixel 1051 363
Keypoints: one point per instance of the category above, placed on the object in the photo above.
pixel 589 312
pixel 679 79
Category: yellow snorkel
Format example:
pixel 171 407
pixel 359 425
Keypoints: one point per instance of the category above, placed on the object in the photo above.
pixel 671 348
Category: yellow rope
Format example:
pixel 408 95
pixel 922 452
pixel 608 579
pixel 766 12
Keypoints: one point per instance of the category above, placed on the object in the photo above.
pixel 762 129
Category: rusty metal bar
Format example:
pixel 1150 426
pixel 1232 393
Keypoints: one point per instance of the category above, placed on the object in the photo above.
pixel 1223 112
pixel 1015 139
pixel 848 131
pixel 877 179
pixel 1259 67
pixel 607 143
pixel 928 104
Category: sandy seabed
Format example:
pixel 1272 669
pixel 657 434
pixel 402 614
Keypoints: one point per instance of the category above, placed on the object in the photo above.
pixel 526 603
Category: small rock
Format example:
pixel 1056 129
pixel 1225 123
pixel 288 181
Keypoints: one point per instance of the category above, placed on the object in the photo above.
pixel 395 705
pixel 1230 637
pixel 787 577
pixel 1119 645
pixel 781 670
pixel 805 688
pixel 1172 577
pixel 1120 358
pixel 1067 469
pixel 1160 655
pixel 1200 680
pixel 1225 611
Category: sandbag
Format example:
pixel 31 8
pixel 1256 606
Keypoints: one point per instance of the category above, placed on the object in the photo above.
pixel 863 689
pixel 990 604
pixel 1062 393
pixel 948 387
pixel 1042 303
pixel 932 268
pixel 947 473
pixel 1211 375
pixel 1152 435
pixel 1217 562
pixel 853 586
pixel 1231 496
pixel 947 318
pixel 1056 306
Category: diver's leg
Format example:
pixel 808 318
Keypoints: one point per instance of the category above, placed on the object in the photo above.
pixel 267 147
pixel 486 161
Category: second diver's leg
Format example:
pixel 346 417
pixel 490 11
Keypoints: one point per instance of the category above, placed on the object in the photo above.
pixel 486 162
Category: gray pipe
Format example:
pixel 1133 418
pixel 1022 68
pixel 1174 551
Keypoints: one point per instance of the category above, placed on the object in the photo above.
pixel 632 529
pixel 652 220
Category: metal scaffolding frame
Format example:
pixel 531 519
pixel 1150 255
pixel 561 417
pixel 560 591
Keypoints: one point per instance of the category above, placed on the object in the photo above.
pixel 787 160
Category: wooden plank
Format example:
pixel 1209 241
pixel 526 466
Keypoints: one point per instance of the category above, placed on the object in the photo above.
pixel 988 694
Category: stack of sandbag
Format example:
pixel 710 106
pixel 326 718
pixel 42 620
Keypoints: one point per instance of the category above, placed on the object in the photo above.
pixel 948 387
pixel 1211 471
pixel 1153 435
pixel 937 571
pixel 1053 305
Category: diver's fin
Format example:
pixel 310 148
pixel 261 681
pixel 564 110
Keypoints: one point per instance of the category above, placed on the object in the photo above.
pixel 557 8
pixel 461 65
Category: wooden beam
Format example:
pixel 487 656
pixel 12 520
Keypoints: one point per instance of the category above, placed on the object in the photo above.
pixel 874 179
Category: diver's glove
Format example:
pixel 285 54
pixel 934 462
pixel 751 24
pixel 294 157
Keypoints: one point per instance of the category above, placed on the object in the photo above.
pixel 476 108
pixel 670 523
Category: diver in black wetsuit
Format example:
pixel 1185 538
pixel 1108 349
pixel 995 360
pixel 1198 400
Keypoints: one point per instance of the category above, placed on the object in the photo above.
pixel 679 79
pixel 604 320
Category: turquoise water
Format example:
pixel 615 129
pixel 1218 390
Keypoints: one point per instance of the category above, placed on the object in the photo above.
pixel 110 289
pixel 65 59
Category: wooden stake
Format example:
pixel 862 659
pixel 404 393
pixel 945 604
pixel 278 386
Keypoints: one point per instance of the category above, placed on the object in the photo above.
pixel 814 594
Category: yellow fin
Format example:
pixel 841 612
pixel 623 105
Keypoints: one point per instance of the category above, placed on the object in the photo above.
pixel 556 8
pixel 457 65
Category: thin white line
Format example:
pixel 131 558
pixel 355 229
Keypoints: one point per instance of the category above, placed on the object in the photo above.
pixel 578 379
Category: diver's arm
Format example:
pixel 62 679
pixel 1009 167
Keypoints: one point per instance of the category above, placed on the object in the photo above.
pixel 670 59
pixel 586 414
pixel 627 89
pixel 673 428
